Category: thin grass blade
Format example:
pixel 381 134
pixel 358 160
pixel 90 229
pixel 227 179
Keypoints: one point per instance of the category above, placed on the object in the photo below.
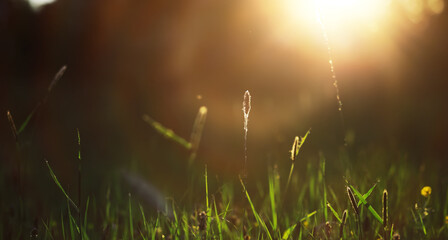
pixel 166 132
pixel 55 179
pixel 257 217
pixel 334 212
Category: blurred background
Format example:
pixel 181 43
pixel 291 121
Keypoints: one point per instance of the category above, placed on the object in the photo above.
pixel 167 58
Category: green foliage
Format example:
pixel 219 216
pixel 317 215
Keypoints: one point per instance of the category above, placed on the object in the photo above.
pixel 256 215
pixel 369 207
pixel 300 212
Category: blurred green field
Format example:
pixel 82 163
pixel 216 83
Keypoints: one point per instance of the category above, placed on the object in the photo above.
pixel 146 133
pixel 370 194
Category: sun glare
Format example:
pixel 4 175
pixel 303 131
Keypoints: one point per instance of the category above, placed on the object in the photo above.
pixel 36 5
pixel 346 13
pixel 351 9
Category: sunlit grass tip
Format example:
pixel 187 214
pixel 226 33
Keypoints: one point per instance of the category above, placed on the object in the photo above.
pixel 57 77
pixel 246 108
pixel 295 149
pixel 166 132
pixel 196 133
pixel 246 111
pixel 12 125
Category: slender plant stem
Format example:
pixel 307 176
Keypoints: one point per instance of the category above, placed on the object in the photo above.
pixel 289 177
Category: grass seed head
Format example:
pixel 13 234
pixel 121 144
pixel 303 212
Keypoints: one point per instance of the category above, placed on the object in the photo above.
pixel 344 216
pixel 343 220
pixel 328 228
pixel 294 148
pixel 202 217
pixel 12 125
pixel 352 200
pixel 57 77
pixel 246 108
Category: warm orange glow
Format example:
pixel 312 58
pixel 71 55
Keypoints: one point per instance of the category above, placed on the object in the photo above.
pixel 436 6
pixel 359 15
pixel 346 13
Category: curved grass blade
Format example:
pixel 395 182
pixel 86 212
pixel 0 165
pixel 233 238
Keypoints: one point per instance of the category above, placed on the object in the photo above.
pixel 308 216
pixel 288 232
pixel 55 80
pixel 421 222
pixel 55 179
pixel 257 217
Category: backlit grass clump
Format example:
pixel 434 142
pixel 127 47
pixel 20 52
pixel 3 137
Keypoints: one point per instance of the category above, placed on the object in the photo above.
pixel 281 205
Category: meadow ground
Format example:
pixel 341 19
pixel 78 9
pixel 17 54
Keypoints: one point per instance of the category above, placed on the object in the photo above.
pixel 383 196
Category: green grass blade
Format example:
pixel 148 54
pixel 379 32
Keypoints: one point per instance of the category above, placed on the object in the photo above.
pixel 55 179
pixel 291 170
pixel 166 132
pixel 206 190
pixel 85 219
pixel 413 216
pixel 72 231
pixel 55 80
pixel 131 225
pixel 421 222
pixel 308 216
pixel 272 200
pixel 334 213
pixel 47 230
pixel 391 232
pixel 365 196
pixel 153 236
pixel 176 219
pixel 79 144
pixel 288 232
pixel 62 226
pixel 369 207
pixel 224 215
pixel 27 120
pixel 185 226
pixel 145 223
pixel 257 217
pixel 302 141
pixel 76 227
pixel 218 220
pixel 207 203
pixel 324 201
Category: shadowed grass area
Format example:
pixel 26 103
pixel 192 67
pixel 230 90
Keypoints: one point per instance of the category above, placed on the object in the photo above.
pixel 300 213
pixel 311 206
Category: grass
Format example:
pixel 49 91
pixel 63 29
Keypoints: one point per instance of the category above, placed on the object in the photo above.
pixel 310 207
pixel 271 219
